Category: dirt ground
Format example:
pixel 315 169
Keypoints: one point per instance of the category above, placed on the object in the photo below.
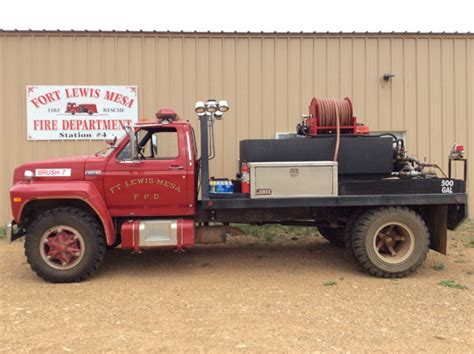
pixel 280 292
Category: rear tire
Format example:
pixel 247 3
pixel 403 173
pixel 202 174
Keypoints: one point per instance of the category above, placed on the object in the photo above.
pixel 333 235
pixel 349 229
pixel 64 245
pixel 390 242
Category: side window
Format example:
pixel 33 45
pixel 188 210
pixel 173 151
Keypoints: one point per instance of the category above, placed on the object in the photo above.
pixel 154 145
pixel 160 145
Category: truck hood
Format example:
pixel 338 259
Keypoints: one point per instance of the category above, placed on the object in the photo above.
pixel 69 168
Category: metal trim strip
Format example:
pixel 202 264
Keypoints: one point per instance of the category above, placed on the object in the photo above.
pixel 189 147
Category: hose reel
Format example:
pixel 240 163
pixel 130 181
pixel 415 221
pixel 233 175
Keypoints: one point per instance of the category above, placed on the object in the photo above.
pixel 324 114
pixel 330 116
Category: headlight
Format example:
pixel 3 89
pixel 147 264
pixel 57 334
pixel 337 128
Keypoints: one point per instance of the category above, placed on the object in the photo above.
pixel 211 106
pixel 200 107
pixel 28 175
pixel 223 106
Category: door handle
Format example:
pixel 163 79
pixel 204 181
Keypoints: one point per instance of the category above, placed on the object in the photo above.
pixel 176 167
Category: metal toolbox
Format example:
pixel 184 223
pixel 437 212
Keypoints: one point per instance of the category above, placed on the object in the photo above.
pixel 306 179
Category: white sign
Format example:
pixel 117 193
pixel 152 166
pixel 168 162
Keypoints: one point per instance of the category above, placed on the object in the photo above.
pixel 79 112
pixel 53 172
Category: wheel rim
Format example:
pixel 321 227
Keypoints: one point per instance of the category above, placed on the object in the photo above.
pixel 62 247
pixel 394 242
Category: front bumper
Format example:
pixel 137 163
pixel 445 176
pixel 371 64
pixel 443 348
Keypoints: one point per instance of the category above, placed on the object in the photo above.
pixel 13 232
pixel 9 232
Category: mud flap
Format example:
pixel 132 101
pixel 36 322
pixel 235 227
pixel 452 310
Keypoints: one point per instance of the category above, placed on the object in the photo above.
pixel 436 218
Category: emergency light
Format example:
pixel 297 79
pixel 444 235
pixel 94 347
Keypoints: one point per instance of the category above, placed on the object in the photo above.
pixel 166 115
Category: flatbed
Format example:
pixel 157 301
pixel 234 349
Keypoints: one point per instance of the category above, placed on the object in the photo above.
pixel 399 193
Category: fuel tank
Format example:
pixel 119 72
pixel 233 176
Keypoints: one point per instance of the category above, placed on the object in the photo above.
pixel 167 233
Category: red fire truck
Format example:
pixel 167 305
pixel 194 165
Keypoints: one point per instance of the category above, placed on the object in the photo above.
pixel 74 108
pixel 152 189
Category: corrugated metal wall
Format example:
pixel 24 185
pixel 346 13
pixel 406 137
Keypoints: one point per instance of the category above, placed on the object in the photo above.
pixel 268 79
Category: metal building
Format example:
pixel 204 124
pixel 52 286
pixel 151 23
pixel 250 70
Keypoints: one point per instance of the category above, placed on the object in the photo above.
pixel 268 78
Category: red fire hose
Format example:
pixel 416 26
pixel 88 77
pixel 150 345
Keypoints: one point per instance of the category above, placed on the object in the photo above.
pixel 338 132
pixel 328 109
pixel 333 113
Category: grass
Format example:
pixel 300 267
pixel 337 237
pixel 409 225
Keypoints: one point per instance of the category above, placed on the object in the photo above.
pixel 269 237
pixel 274 230
pixel 439 267
pixel 470 244
pixel 2 233
pixel 464 234
pixel 452 284
pixel 330 283
pixel 271 231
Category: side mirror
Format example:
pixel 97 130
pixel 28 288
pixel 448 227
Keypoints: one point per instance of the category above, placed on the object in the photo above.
pixel 112 142
pixel 133 143
pixel 154 145
pixel 130 154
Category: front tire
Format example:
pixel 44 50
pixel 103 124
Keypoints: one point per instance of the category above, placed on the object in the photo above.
pixel 390 242
pixel 64 245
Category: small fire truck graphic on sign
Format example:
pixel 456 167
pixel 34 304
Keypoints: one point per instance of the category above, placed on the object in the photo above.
pixel 74 108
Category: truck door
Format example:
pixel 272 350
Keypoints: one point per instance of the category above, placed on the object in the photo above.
pixel 156 184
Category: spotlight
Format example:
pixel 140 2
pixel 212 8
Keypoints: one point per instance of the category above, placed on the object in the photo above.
pixel 223 106
pixel 200 107
pixel 211 106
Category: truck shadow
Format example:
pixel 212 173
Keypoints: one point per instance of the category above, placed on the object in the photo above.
pixel 236 257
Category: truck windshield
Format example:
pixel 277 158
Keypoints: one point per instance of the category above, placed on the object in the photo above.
pixel 105 152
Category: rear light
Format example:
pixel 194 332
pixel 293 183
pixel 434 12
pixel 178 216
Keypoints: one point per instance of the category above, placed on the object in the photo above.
pixel 362 129
pixel 457 152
